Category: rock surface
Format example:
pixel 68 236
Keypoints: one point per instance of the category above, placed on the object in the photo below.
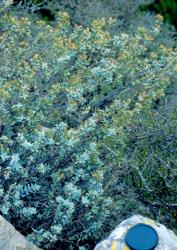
pixel 167 239
pixel 11 239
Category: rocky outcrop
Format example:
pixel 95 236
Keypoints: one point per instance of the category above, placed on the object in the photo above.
pixel 167 239
pixel 11 239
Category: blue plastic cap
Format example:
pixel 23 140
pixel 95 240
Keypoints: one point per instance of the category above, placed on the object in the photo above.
pixel 141 237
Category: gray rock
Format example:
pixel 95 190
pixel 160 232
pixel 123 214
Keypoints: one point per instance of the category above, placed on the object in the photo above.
pixel 11 239
pixel 167 239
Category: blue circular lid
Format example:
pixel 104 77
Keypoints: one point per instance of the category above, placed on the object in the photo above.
pixel 141 237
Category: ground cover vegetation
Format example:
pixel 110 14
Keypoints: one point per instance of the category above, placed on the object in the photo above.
pixel 84 12
pixel 86 136
pixel 168 8
pixel 127 13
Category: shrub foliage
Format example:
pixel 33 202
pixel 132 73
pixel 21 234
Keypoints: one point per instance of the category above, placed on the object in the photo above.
pixel 68 96
pixel 127 13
